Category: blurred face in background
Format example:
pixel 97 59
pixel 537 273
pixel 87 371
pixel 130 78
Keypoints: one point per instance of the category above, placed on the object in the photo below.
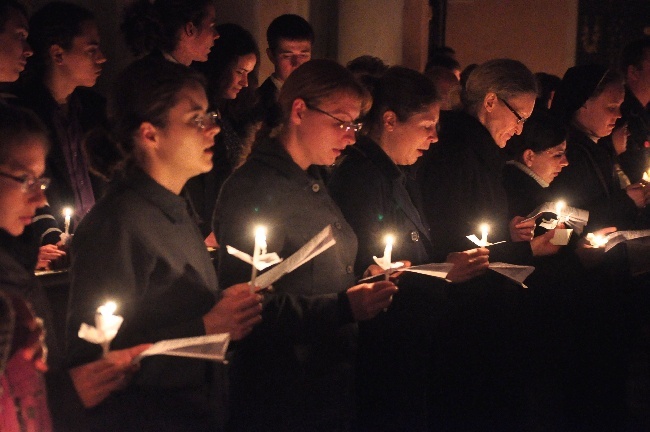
pixel 547 164
pixel 597 117
pixel 237 75
pixel 408 140
pixel 14 49
pixel 288 56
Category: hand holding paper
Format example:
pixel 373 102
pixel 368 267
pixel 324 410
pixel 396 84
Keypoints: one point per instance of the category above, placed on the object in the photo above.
pixel 237 312
pixel 367 300
pixel 467 264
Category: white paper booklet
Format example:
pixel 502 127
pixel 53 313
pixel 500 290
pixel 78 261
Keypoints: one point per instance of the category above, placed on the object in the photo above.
pixel 314 247
pixel 209 347
pixel 516 273
pixel 622 236
pixel 574 217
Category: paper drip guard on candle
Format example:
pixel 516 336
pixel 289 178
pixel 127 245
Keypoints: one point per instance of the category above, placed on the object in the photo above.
pixel 105 329
pixel 385 262
pixel 482 242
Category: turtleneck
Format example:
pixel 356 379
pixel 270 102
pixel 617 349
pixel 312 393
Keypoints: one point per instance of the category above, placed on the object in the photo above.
pixel 530 172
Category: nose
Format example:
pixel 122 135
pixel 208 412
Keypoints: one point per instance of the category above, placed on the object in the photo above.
pixel 27 50
pixel 519 128
pixel 294 61
pixel 212 130
pixel 100 57
pixel 433 137
pixel 38 198
pixel 564 161
pixel 244 81
pixel 349 137
pixel 215 33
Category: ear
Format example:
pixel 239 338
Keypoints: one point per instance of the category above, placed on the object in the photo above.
pixel 490 101
pixel 56 54
pixel 270 55
pixel 189 29
pixel 298 108
pixel 389 119
pixel 528 157
pixel 147 135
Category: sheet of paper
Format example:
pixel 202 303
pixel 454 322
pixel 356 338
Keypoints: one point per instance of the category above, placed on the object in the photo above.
pixel 438 270
pixel 318 244
pixel 209 347
pixel 574 217
pixel 516 273
pixel 263 261
pixel 622 236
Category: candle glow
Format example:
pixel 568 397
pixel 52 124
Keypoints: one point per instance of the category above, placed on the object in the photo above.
pixel 107 323
pixel 559 206
pixel 258 249
pixel 67 213
pixel 388 251
pixel 485 228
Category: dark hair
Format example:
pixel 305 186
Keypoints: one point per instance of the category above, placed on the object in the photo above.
pixel 148 25
pixel 56 23
pixel 144 92
pixel 290 27
pixel 444 61
pixel 234 42
pixel 319 79
pixel 465 73
pixel 542 132
pixel 581 83
pixel 16 124
pixel 403 91
pixel 633 53
pixel 367 69
pixel 546 85
pixel 6 6
pixel 505 77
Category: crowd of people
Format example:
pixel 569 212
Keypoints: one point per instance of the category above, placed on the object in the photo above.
pixel 189 153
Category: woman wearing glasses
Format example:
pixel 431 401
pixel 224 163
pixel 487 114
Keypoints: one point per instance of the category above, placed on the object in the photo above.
pixel 295 371
pixel 141 248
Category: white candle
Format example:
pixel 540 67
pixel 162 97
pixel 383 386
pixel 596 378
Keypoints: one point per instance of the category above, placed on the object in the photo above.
pixel 258 249
pixel 597 241
pixel 559 206
pixel 485 228
pixel 67 212
pixel 107 323
pixel 646 176
pixel 388 259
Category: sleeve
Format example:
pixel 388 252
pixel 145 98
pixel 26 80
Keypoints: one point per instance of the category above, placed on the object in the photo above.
pixel 46 226
pixel 363 198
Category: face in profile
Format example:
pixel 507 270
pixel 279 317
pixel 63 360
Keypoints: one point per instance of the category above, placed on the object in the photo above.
pixel 82 63
pixel 598 115
pixel 288 56
pixel 14 49
pixel 19 197
pixel 237 75
pixel 202 40
pixel 547 164
pixel 506 116
pixel 411 138
pixel 186 142
pixel 322 137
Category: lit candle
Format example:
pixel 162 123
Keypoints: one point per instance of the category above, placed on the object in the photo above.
pixel 597 241
pixel 484 233
pixel 67 212
pixel 258 249
pixel 388 251
pixel 107 323
pixel 559 206
pixel 646 176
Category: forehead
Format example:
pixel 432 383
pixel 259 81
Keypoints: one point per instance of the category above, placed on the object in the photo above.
pixel 26 152
pixel 210 14
pixel 612 93
pixel 15 21
pixel 88 32
pixel 191 98
pixel 294 46
pixel 246 61
pixel 342 103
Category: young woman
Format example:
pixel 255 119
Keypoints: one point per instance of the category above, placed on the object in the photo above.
pixel 379 197
pixel 232 59
pixel 588 101
pixel 295 371
pixel 141 247
pixel 180 31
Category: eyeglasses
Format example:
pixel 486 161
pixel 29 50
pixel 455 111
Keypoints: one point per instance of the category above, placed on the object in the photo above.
pixel 344 125
pixel 29 184
pixel 207 120
pixel 520 119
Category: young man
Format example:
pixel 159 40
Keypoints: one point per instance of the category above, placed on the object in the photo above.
pixel 290 38
pixel 635 110
pixel 14 49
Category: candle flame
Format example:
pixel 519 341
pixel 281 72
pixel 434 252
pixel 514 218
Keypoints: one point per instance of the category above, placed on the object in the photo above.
pixel 390 240
pixel 67 212
pixel 260 232
pixel 107 308
pixel 559 206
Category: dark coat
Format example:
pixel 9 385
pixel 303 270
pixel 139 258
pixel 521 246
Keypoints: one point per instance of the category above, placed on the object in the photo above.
pixel 90 109
pixel 294 371
pixel 462 187
pixel 268 96
pixel 378 198
pixel 590 183
pixel 636 159
pixel 140 247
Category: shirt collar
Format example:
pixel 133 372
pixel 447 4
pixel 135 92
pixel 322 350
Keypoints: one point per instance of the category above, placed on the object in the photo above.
pixel 173 206
pixel 530 172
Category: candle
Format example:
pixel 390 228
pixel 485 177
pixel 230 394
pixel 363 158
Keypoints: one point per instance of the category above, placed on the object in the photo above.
pixel 67 212
pixel 388 251
pixel 559 206
pixel 646 176
pixel 107 323
pixel 597 241
pixel 258 249
pixel 484 233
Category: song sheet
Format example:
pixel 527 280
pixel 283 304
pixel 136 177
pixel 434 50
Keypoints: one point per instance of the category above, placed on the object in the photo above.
pixel 210 347
pixel 574 217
